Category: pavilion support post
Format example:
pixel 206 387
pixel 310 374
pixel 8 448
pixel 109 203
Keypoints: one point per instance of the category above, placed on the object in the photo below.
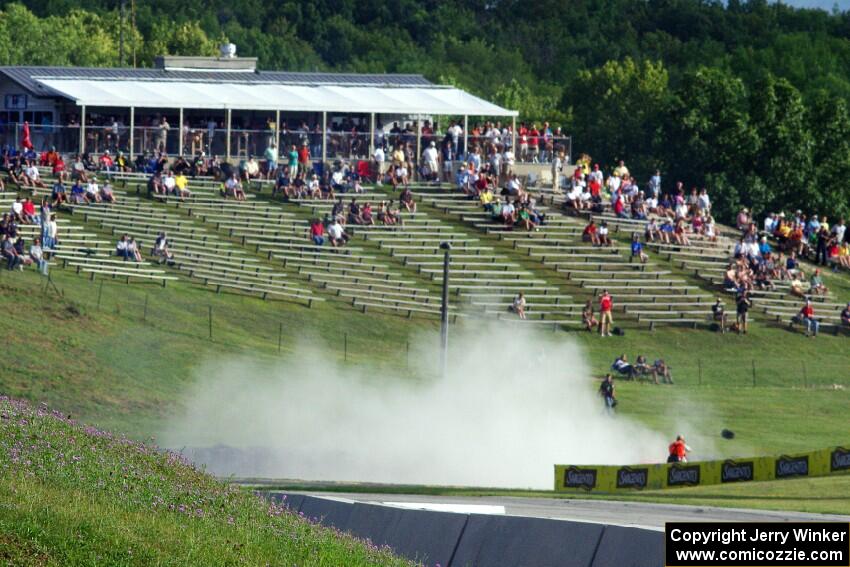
pixel 180 138
pixel 277 130
pixel 372 135
pixel 132 131
pixel 83 130
pixel 513 137
pixel 324 140
pixel 465 137
pixel 227 141
pixel 418 159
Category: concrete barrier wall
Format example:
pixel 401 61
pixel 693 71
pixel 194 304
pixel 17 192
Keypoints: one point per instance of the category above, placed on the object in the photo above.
pixel 479 540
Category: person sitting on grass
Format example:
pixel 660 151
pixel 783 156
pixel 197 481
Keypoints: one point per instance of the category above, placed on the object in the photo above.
pixel 622 366
pixel 660 368
pixel 587 319
pixel 518 305
pixel 816 284
pixel 642 367
pixel 317 232
pixel 606 390
pixel 637 249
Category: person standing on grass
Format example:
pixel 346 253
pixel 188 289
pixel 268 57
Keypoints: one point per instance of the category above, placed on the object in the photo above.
pixel 678 451
pixel 606 305
pixel 743 305
pixel 606 390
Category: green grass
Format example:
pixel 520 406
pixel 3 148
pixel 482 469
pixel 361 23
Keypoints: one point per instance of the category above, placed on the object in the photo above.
pixel 74 495
pixel 824 495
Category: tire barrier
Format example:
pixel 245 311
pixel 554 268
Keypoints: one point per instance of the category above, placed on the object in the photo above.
pixel 478 540
pixel 625 478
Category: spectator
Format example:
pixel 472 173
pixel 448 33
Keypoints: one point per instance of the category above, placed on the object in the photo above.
pixel 28 212
pixel 58 194
pixel 17 210
pixel 587 318
pixel 642 367
pixel 718 311
pixel 50 234
pixel 106 194
pixel 622 366
pixel 518 305
pixel 677 452
pixel 317 232
pixel 606 390
pixel 743 305
pixel 816 284
pixel 430 168
pixel 161 250
pixel 107 165
pixel 604 239
pixel 233 188
pixel 337 234
pixel 589 234
pixel 606 306
pixel 92 194
pixel 660 368
pixel 7 247
pixel 379 160
pixel 406 199
pixel 181 186
pixel 637 249
pixel 271 160
pixel 845 315
pixel 121 248
pixel 37 255
pixel 807 317
pixel 133 249
pixel 303 159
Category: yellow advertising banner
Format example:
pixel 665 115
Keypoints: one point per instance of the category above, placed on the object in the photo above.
pixel 618 478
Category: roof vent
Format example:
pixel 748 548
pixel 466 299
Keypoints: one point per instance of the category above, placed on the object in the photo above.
pixel 228 50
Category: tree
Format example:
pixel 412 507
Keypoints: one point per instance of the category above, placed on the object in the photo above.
pixel 709 140
pixel 784 161
pixel 617 110
pixel 830 122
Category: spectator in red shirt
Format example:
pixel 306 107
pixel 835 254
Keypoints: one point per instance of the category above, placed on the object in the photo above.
pixel 534 143
pixel 678 451
pixel 606 305
pixel 589 233
pixel 807 316
pixel 303 159
pixel 317 232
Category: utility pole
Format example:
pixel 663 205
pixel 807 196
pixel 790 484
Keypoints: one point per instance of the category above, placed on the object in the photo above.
pixel 444 311
pixel 121 34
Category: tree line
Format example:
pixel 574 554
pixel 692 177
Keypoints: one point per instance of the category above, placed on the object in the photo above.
pixel 747 98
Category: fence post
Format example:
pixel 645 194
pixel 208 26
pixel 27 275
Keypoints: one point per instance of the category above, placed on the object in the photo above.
pixel 279 337
pixel 145 314
pixel 754 373
pixel 99 293
pixel 699 372
pixel 210 321
pixel 345 347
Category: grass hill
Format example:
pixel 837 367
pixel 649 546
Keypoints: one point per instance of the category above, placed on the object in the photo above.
pixel 75 495
pixel 121 356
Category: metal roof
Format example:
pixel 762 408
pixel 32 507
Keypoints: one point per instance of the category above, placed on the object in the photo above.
pixel 385 99
pixel 28 77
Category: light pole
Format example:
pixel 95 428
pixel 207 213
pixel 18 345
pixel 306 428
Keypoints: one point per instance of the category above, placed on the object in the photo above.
pixel 446 247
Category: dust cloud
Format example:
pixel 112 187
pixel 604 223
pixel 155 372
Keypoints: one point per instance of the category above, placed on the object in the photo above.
pixel 513 403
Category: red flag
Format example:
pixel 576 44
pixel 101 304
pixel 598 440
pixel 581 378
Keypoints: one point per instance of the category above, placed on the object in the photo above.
pixel 26 142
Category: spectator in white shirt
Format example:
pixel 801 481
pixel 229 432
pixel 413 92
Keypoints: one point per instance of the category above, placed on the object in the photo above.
pixel 92 191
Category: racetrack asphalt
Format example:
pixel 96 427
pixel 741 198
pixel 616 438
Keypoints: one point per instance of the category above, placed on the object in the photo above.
pixel 634 514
